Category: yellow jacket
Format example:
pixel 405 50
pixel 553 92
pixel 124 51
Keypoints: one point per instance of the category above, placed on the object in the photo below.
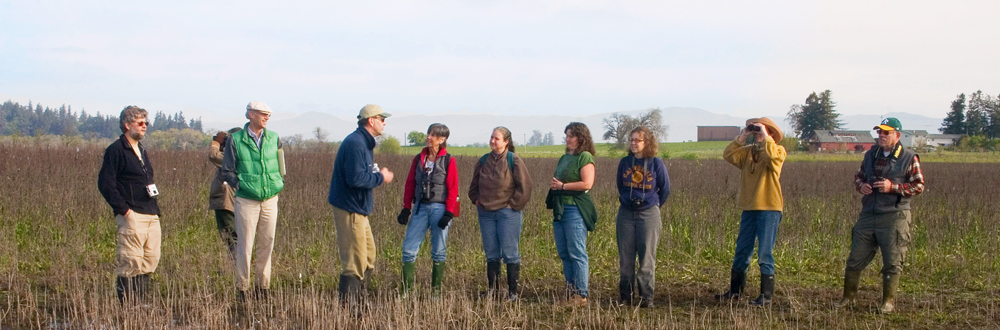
pixel 760 173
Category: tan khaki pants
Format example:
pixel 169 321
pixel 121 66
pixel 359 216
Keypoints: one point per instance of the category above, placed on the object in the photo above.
pixel 354 242
pixel 138 243
pixel 255 219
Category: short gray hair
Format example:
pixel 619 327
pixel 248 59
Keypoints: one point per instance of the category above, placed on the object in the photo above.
pixel 130 114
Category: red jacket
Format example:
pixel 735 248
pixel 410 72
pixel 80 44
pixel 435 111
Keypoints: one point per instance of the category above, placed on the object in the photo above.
pixel 451 204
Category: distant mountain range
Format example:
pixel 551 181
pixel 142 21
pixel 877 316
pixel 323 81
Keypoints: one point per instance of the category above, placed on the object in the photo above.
pixel 472 128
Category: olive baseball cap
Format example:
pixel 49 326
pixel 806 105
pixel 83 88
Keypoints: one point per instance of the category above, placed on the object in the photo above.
pixel 372 110
pixel 889 124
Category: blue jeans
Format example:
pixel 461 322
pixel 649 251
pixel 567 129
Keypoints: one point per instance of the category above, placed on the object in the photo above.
pixel 425 217
pixel 571 243
pixel 761 226
pixel 501 231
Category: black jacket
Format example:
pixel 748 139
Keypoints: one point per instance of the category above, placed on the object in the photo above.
pixel 123 179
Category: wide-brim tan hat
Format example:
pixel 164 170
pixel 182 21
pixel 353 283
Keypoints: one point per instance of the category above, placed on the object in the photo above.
pixel 372 110
pixel 772 128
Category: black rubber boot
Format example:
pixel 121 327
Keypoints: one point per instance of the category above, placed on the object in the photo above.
pixel 123 287
pixel 737 281
pixel 261 294
pixel 351 291
pixel 625 286
pixel 142 288
pixel 492 275
pixel 368 276
pixel 513 273
pixel 350 288
pixel 766 290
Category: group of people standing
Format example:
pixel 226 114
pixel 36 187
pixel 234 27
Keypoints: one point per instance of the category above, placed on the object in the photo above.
pixel 245 190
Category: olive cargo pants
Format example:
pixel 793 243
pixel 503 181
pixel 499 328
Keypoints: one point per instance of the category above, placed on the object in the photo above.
pixel 889 232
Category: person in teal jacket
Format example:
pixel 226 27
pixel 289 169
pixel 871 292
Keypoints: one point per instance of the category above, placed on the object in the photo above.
pixel 250 164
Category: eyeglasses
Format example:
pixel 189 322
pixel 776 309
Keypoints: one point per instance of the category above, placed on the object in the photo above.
pixel 636 141
pixel 884 132
pixel 380 118
pixel 141 123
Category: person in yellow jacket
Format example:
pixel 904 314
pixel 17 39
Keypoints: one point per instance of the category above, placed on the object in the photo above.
pixel 759 157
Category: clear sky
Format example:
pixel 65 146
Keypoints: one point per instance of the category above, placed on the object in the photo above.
pixel 210 59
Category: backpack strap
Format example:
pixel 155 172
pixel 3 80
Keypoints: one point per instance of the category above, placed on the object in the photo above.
pixel 510 160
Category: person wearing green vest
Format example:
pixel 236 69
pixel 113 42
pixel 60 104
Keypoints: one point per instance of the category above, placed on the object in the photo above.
pixel 573 210
pixel 250 165
pixel 889 178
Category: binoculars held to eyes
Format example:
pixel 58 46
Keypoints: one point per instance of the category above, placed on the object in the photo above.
pixel 753 128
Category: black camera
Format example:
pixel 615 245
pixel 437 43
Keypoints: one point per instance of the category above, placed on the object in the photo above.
pixel 426 194
pixel 753 128
pixel 635 202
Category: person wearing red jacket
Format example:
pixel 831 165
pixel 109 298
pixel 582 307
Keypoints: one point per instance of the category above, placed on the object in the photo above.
pixel 432 194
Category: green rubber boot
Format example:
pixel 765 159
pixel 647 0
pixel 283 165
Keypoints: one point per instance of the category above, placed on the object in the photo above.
pixel 408 269
pixel 890 282
pixel 852 279
pixel 437 275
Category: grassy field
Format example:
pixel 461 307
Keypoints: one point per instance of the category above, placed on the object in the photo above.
pixel 58 243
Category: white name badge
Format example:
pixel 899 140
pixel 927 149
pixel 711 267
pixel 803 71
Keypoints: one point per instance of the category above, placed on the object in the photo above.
pixel 151 189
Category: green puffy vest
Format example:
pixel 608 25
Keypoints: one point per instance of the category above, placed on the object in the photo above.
pixel 257 168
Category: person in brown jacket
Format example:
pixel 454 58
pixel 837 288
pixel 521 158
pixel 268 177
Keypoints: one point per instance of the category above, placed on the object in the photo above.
pixel 500 189
pixel 221 196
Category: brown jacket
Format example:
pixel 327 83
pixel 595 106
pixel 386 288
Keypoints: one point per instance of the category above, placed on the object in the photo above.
pixel 221 196
pixel 494 186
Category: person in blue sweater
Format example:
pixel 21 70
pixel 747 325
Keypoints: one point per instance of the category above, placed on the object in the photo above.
pixel 643 187
pixel 355 174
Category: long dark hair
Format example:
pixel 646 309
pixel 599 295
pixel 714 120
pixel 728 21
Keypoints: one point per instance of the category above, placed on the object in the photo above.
pixel 506 137
pixel 582 134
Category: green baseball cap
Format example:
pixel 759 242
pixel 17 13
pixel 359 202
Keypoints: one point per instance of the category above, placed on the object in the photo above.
pixel 890 124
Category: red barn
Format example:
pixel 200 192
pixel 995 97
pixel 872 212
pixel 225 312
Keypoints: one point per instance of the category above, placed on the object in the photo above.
pixel 832 140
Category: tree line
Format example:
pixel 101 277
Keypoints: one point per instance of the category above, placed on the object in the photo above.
pixel 977 116
pixel 35 120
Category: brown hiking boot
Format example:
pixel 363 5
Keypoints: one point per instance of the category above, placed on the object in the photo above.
pixel 575 301
pixel 852 279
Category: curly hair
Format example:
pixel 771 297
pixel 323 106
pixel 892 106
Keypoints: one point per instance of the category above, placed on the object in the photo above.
pixel 647 136
pixel 582 134
pixel 130 114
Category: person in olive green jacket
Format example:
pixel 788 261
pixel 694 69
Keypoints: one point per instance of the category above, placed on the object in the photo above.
pixel 221 197
pixel 250 165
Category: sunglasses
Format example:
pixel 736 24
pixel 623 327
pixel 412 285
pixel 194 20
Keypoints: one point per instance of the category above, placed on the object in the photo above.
pixel 141 123
pixel 883 132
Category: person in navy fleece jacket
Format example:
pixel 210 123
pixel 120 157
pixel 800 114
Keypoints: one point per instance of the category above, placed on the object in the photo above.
pixel 643 186
pixel 355 174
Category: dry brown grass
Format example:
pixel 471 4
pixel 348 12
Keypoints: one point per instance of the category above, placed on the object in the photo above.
pixel 57 249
